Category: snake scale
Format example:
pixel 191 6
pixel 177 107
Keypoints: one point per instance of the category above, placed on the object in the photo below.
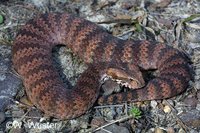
pixel 103 53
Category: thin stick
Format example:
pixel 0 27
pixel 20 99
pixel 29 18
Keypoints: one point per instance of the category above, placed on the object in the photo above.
pixel 112 122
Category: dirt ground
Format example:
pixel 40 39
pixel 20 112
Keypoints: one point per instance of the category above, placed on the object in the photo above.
pixel 174 22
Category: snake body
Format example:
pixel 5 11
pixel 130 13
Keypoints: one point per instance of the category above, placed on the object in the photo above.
pixel 104 53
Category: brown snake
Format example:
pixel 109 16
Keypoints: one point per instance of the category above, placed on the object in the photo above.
pixel 104 53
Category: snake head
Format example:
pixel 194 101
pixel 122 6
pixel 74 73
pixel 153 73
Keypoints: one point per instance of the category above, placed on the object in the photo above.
pixel 132 81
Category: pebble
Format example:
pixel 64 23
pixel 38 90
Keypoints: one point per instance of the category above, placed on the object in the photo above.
pixel 84 125
pixel 17 130
pixel 34 114
pixel 17 113
pixel 181 131
pixel 40 3
pixel 9 82
pixel 109 113
pixel 170 130
pixel 167 109
pixel 114 129
pixel 191 101
pixel 97 122
pixel 2 117
pixel 158 130
pixel 191 118
pixel 198 106
pixel 198 95
pixel 74 123
pixel 154 104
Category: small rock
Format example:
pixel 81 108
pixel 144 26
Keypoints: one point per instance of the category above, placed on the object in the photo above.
pixel 170 130
pixel 84 125
pixel 197 85
pixel 154 104
pixel 8 89
pixel 45 131
pixel 119 110
pixel 17 130
pixel 9 82
pixel 35 115
pixel 114 129
pixel 198 95
pixel 97 121
pixel 109 113
pixel 191 101
pixel 127 4
pixel 198 106
pixel 181 131
pixel 158 130
pixel 40 3
pixel 74 123
pixel 159 4
pixel 194 131
pixel 17 113
pixel 167 109
pixel 2 117
pixel 191 118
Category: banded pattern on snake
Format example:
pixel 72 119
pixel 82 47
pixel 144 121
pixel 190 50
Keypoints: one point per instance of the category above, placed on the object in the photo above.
pixel 104 53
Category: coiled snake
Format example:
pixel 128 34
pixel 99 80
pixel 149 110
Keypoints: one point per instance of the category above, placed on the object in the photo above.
pixel 104 54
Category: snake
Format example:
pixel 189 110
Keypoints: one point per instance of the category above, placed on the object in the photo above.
pixel 104 54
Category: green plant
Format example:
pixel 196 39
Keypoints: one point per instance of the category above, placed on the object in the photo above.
pixel 1 19
pixel 135 112
pixel 138 27
pixel 190 18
